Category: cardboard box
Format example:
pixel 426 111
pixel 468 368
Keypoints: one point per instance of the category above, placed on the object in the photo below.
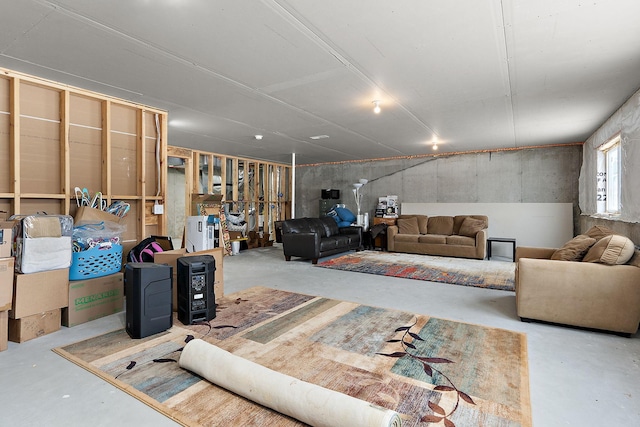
pixel 4 330
pixel 6 238
pixel 34 326
pixel 93 298
pixel 39 292
pixel 89 214
pixel 206 204
pixel 6 283
pixel 171 258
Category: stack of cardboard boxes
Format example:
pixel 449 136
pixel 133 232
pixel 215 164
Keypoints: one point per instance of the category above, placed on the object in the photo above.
pixel 36 304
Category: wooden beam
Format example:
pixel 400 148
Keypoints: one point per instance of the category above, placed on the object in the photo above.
pixel 14 140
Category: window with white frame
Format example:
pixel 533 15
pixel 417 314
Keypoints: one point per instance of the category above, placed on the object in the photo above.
pixel 608 177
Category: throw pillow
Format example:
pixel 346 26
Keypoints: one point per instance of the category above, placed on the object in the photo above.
pixel 345 215
pixel 575 249
pixel 408 226
pixel 613 250
pixel 471 226
pixel 599 231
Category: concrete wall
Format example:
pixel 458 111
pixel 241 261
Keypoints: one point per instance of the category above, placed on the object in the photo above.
pixel 535 175
pixel 626 121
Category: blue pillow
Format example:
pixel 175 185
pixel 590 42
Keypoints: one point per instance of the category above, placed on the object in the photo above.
pixel 345 215
pixel 344 224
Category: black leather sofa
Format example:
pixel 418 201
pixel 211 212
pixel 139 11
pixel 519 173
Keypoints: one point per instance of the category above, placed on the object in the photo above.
pixel 313 238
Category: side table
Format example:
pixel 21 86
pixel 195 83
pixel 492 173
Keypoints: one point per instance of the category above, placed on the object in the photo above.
pixel 511 240
pixel 380 241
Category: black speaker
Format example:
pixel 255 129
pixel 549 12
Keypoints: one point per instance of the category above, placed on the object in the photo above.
pixel 148 298
pixel 330 194
pixel 196 297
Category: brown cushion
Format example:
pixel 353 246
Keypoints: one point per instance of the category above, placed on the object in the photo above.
pixel 574 249
pixel 422 222
pixel 599 231
pixel 440 225
pixel 471 226
pixel 408 225
pixel 612 250
pixel 459 219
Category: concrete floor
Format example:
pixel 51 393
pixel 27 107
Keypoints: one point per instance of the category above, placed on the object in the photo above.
pixel 577 378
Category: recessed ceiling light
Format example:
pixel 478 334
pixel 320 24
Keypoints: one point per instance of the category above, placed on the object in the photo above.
pixel 258 137
pixel 319 137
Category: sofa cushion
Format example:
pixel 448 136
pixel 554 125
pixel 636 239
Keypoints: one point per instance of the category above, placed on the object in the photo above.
pixel 459 219
pixel 635 259
pixel 437 239
pixel 440 225
pixel 408 225
pixel 599 231
pixel 330 226
pixel 470 227
pixel 461 240
pixel 422 221
pixel 613 249
pixel 413 238
pixel 575 249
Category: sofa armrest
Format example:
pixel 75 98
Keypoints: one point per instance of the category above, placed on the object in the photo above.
pixel 306 245
pixel 481 244
pixel 582 294
pixel 392 230
pixel 530 252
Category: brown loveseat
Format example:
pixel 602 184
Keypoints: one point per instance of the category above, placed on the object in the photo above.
pixel 463 236
pixel 593 284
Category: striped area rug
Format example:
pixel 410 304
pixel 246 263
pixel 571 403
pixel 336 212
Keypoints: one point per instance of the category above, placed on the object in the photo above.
pixel 458 271
pixel 431 371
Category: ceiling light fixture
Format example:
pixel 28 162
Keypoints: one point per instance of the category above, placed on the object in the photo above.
pixel 376 109
pixel 435 145
pixel 258 137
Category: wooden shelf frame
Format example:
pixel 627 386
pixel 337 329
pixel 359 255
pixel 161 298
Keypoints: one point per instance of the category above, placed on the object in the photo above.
pixel 58 137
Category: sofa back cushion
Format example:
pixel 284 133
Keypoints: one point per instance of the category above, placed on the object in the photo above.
pixel 575 249
pixel 613 250
pixel 408 225
pixel 422 222
pixel 440 225
pixel 470 227
pixel 459 219
pixel 330 227
pixel 325 226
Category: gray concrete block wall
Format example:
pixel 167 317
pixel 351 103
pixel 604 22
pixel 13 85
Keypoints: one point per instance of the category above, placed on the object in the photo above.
pixel 535 175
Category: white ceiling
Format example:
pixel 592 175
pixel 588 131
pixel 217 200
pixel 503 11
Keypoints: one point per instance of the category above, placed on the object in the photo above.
pixel 475 74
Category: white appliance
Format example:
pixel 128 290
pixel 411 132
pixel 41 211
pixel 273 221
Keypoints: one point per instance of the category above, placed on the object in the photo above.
pixel 200 233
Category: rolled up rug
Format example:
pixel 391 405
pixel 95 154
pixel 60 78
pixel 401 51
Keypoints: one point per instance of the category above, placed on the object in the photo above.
pixel 306 402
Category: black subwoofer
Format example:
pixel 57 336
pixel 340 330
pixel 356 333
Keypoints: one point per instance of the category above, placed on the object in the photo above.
pixel 148 298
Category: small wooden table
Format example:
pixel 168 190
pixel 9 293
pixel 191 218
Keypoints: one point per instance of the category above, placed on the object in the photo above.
pixel 511 240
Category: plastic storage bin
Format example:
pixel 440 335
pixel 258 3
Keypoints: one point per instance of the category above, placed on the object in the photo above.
pixel 96 262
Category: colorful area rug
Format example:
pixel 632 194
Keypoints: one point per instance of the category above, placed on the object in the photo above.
pixel 431 371
pixel 457 271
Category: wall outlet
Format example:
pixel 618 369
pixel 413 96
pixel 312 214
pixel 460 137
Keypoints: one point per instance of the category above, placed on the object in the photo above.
pixel 158 209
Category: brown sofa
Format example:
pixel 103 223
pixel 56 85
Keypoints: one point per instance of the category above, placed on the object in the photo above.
pixel 588 294
pixel 463 236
